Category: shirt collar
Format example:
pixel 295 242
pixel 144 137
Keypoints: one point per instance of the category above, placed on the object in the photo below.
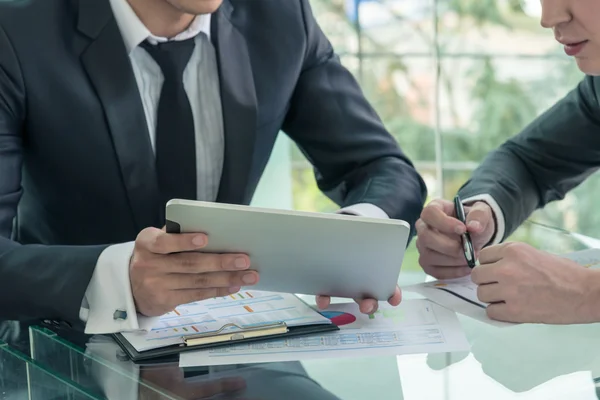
pixel 135 32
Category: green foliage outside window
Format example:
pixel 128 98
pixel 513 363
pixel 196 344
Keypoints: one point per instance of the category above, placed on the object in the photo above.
pixel 484 96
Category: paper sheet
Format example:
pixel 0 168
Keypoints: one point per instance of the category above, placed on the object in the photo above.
pixel 246 308
pixel 416 326
pixel 588 258
pixel 460 294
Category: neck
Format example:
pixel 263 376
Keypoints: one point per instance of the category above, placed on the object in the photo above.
pixel 161 18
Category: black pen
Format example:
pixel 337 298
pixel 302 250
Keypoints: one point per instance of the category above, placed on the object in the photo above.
pixel 465 237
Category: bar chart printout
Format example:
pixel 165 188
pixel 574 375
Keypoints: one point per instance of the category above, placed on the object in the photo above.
pixel 416 326
pixel 244 309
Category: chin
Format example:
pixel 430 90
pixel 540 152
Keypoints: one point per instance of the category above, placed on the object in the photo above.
pixel 197 7
pixel 589 66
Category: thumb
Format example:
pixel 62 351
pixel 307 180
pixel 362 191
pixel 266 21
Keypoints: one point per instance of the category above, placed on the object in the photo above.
pixel 479 217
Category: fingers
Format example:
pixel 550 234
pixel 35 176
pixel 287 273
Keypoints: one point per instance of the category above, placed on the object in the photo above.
pixel 490 293
pixel 367 306
pixel 447 207
pixel 429 239
pixel 178 297
pixel 485 274
pixel 159 242
pixel 211 280
pixel 323 302
pixel 479 217
pixel 493 254
pixel 499 312
pixel 189 263
pixel 450 272
pixel 439 215
pixel 396 298
pixel 430 257
pixel 440 248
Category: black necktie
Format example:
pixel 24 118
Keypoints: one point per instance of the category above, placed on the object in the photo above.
pixel 175 136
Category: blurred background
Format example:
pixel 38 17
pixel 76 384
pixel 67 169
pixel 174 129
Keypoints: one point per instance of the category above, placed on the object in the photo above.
pixel 452 80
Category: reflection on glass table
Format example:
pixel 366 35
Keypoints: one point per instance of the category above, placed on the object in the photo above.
pixel 23 378
pixel 103 369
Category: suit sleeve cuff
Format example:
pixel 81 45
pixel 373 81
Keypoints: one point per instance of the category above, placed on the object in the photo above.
pixel 365 210
pixel 108 306
pixel 498 215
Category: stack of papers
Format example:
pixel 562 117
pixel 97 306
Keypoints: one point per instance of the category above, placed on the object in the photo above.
pixel 416 326
pixel 244 310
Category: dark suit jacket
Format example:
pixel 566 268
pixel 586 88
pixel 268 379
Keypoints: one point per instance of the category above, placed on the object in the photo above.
pixel 76 165
pixel 553 155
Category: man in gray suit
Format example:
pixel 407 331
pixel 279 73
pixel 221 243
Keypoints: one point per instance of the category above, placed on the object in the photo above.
pixel 551 156
pixel 108 108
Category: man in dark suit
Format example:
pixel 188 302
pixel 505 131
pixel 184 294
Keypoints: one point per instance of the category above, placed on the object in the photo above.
pixel 108 108
pixel 553 155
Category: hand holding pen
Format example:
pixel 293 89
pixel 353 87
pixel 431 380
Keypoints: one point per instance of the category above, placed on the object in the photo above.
pixel 465 238
pixel 450 236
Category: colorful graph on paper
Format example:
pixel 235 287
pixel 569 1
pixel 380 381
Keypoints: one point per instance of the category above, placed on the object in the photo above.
pixel 339 318
pixel 244 309
pixel 424 328
pixel 395 314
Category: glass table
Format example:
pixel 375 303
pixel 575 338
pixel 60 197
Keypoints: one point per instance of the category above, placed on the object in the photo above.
pixel 518 362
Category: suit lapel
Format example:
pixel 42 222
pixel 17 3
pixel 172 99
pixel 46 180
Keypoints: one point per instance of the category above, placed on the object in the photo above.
pixel 238 98
pixel 110 71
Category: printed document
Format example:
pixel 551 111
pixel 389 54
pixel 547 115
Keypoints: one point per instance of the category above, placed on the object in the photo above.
pixel 416 326
pixel 244 309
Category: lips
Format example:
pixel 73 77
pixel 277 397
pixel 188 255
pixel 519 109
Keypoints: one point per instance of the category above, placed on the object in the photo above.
pixel 572 48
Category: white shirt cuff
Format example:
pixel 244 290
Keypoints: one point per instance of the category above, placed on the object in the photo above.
pixel 498 215
pixel 108 305
pixel 365 210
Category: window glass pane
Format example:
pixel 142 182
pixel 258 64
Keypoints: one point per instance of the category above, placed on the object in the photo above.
pixel 395 26
pixel 493 27
pixel 498 71
pixel 486 100
pixel 401 91
pixel 334 18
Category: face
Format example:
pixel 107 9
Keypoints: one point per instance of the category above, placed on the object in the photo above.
pixel 196 7
pixel 576 25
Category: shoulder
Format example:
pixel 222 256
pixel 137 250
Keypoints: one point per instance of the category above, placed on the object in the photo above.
pixel 261 11
pixel 32 15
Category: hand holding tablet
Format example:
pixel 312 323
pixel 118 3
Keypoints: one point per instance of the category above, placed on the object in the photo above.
pixel 304 253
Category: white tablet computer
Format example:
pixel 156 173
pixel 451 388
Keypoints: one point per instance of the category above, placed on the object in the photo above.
pixel 301 252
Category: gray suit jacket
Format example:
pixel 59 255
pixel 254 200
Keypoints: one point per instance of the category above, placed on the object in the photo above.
pixel 553 155
pixel 76 165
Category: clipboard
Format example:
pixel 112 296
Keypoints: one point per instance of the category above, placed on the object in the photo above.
pixel 223 337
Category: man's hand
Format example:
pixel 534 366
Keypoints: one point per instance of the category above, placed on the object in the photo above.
pixel 165 271
pixel 439 237
pixel 524 284
pixel 366 306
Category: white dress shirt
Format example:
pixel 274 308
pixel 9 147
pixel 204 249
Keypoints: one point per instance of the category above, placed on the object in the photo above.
pixel 498 215
pixel 109 290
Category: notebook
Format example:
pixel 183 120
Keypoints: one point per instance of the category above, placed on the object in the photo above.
pixel 249 315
